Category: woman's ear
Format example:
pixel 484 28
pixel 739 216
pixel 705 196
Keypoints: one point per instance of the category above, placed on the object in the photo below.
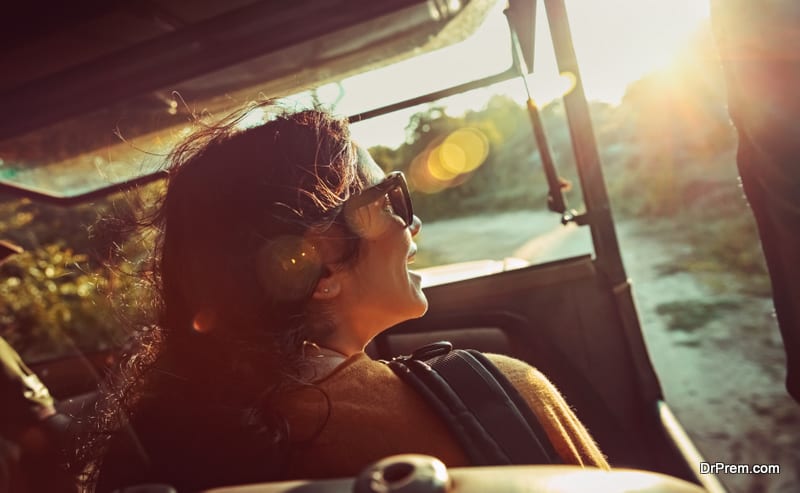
pixel 327 288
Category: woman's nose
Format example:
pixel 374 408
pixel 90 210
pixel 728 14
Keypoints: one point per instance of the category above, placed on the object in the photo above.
pixel 415 226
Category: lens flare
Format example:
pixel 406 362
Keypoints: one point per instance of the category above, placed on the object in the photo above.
pixel 288 267
pixel 464 150
pixel 421 177
pixel 436 166
pixel 204 321
pixel 448 161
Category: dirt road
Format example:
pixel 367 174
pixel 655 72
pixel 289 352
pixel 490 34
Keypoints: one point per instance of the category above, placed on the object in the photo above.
pixel 717 352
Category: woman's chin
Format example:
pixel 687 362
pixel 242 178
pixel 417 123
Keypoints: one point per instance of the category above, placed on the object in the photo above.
pixel 419 295
pixel 423 306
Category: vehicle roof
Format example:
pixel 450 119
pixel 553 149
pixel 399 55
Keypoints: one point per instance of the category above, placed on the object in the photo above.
pixel 79 65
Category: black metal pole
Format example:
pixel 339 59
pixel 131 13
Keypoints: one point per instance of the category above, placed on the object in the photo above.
pixel 608 258
pixel 555 196
pixel 604 237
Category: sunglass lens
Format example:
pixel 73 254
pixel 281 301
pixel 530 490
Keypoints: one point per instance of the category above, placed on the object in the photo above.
pixel 397 198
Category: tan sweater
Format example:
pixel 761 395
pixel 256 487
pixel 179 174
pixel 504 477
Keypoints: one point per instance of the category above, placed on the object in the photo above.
pixel 373 414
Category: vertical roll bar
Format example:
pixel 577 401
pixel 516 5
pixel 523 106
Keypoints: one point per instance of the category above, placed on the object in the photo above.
pixel 604 237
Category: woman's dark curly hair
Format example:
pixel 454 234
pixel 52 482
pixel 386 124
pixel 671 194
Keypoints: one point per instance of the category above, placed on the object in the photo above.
pixel 243 234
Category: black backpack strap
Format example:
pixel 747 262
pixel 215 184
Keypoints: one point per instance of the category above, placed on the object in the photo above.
pixel 521 406
pixel 478 446
pixel 490 419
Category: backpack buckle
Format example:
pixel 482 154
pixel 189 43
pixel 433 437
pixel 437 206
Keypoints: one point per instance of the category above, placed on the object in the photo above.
pixel 432 350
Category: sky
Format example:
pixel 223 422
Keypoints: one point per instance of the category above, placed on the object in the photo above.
pixel 616 41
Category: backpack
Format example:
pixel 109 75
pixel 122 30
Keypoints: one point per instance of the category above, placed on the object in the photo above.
pixel 491 420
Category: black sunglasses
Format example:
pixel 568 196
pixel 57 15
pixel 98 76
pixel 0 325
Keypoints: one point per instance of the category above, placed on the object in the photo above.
pixel 395 190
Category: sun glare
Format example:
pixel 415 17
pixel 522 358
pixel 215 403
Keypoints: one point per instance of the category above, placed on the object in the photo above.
pixel 617 42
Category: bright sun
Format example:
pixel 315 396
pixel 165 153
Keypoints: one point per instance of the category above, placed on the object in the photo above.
pixel 617 42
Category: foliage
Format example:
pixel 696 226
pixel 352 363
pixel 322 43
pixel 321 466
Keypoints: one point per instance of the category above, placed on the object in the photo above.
pixel 50 296
pixel 63 293
pixel 680 167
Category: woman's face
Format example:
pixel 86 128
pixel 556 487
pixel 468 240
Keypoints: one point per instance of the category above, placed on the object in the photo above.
pixel 379 290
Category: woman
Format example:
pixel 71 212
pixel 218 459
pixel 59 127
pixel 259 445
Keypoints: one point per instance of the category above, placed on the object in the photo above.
pixel 283 249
